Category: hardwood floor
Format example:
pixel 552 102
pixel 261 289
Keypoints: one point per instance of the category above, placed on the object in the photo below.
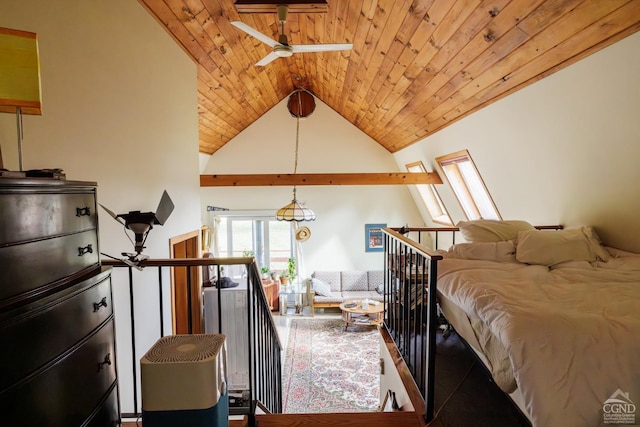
pixel 466 395
pixel 232 423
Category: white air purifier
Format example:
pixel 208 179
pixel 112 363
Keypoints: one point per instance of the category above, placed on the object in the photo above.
pixel 183 380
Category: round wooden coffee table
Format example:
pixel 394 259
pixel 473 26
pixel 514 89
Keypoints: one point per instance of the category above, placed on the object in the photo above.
pixel 354 314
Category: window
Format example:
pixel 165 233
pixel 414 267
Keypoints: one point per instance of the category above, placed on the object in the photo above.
pixel 268 240
pixel 430 196
pixel 467 184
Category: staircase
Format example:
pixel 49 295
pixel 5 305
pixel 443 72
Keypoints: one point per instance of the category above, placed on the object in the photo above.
pixel 265 376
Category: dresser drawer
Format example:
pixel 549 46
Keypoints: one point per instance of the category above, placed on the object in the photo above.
pixel 41 331
pixel 66 393
pixel 108 413
pixel 31 266
pixel 36 215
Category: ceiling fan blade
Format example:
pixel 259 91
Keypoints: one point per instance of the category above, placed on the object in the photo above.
pixel 254 33
pixel 321 47
pixel 267 59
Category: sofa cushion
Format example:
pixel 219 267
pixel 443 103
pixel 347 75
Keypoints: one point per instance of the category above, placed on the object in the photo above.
pixel 376 279
pixel 331 278
pixel 360 295
pixel 354 281
pixel 335 297
pixel 375 296
pixel 320 288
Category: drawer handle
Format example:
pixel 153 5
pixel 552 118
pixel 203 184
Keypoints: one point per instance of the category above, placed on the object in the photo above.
pixel 106 361
pixel 86 250
pixel 102 303
pixel 86 211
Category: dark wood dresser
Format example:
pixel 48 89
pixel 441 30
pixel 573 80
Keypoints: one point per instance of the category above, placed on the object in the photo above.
pixel 57 364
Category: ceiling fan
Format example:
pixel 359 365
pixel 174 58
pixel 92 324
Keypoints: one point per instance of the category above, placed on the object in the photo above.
pixel 282 48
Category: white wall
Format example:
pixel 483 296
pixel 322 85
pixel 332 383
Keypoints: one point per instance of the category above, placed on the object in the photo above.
pixel 563 150
pixel 328 143
pixel 203 160
pixel 119 108
pixel 390 379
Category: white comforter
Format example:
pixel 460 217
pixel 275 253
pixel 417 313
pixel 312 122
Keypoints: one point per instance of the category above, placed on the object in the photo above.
pixel 572 332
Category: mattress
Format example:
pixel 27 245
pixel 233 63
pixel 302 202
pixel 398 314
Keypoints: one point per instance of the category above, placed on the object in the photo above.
pixel 483 342
pixel 569 332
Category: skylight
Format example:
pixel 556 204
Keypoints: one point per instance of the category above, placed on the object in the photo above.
pixel 430 196
pixel 468 186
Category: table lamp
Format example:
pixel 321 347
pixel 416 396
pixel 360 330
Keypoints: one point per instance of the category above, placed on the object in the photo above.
pixel 20 91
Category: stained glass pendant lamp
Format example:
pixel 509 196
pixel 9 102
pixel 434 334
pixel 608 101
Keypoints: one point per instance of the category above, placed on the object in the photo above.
pixel 295 211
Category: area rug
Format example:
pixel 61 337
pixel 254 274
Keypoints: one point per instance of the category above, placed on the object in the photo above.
pixel 328 369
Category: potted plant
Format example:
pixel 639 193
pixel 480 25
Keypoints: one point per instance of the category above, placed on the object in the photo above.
pixel 266 272
pixel 247 254
pixel 291 269
pixel 284 277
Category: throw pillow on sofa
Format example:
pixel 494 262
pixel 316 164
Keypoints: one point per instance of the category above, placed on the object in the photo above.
pixel 320 288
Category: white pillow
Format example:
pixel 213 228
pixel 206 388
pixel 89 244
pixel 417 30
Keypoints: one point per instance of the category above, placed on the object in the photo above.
pixel 320 288
pixel 555 247
pixel 601 252
pixel 489 230
pixel 485 251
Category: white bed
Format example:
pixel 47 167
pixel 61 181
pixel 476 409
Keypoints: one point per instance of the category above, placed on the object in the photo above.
pixel 552 321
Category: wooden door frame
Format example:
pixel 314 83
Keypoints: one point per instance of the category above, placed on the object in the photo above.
pixel 187 245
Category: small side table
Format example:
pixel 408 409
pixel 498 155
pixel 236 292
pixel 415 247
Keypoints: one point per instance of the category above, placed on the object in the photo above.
pixel 352 311
pixel 293 297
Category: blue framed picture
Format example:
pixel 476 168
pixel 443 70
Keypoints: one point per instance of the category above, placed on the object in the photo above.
pixel 373 237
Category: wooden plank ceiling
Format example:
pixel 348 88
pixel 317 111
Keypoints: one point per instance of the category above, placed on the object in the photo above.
pixel 415 67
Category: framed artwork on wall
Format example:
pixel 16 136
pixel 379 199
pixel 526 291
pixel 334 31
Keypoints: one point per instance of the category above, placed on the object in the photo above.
pixel 373 237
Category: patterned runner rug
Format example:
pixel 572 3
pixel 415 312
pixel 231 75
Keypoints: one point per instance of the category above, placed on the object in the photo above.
pixel 328 369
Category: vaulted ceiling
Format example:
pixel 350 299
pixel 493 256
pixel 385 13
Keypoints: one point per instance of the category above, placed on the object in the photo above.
pixel 415 67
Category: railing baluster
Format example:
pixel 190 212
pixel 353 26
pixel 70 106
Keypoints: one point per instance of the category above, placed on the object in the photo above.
pixel 160 302
pixel 189 301
pixel 251 340
pixel 432 327
pixel 134 359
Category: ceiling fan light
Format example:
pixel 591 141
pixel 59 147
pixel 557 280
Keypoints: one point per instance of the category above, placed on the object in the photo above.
pixel 283 51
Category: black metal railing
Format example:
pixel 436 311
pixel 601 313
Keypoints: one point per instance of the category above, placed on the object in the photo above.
pixel 263 344
pixel 267 350
pixel 411 315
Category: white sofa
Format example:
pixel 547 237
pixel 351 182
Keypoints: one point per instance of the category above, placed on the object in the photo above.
pixel 343 286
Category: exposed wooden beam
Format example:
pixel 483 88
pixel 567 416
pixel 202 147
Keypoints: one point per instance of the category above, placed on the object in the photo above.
pixel 267 6
pixel 263 180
